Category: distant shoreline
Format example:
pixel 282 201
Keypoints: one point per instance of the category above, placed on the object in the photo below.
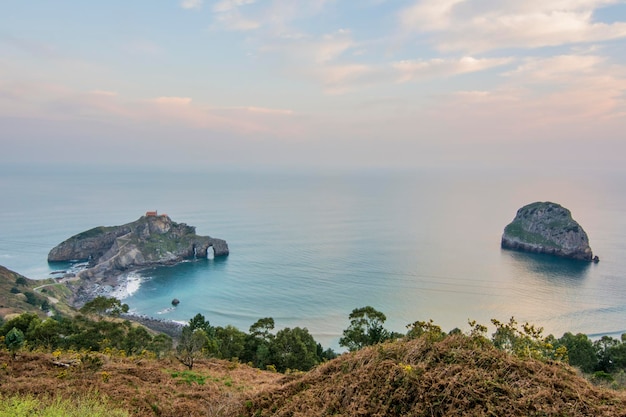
pixel 169 327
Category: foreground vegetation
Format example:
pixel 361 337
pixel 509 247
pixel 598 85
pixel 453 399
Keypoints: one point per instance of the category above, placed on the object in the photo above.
pixel 94 362
pixel 28 406
pixel 427 374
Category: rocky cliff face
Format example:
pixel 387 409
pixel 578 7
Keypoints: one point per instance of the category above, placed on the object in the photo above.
pixel 151 240
pixel 547 228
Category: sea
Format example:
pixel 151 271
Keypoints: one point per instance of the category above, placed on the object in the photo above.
pixel 306 248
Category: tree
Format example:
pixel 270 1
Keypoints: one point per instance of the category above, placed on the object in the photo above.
pixel 190 346
pixel 160 345
pixel 425 328
pixel 580 351
pixel 105 305
pixel 46 334
pixel 262 329
pixel 198 322
pixel 21 322
pixel 611 354
pixel 137 340
pixel 258 343
pixel 366 329
pixel 294 349
pixel 230 342
pixel 14 340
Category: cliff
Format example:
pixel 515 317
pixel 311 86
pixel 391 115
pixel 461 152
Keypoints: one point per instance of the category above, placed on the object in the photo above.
pixel 150 240
pixel 546 227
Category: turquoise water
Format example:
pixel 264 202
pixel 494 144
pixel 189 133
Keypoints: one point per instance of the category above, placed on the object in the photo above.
pixel 306 249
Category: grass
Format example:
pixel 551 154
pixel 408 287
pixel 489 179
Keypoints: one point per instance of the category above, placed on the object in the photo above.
pixel 29 406
pixel 95 232
pixel 516 230
pixel 141 386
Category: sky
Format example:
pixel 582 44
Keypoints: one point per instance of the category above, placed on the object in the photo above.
pixel 320 84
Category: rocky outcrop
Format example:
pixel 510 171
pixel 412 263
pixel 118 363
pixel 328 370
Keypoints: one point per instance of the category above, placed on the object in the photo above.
pixel 150 240
pixel 546 227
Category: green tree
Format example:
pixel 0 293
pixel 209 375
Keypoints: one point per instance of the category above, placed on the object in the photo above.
pixel 366 329
pixel 580 351
pixel 32 299
pixel 262 329
pixel 14 340
pixel 425 328
pixel 258 342
pixel 137 339
pixel 198 322
pixel 294 349
pixel 611 354
pixel 46 334
pixel 161 344
pixel 525 342
pixel 230 342
pixel 190 346
pixel 21 322
pixel 105 306
pixel 325 355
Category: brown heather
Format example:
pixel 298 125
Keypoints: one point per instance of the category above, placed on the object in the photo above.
pixel 457 376
pixel 143 387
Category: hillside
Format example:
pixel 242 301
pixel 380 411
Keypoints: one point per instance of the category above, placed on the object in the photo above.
pixel 19 294
pixel 459 375
pixel 142 386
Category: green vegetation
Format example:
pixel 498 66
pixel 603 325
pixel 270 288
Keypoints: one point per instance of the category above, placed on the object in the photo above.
pixel 292 349
pixel 81 333
pixel 14 340
pixel 104 306
pixel 514 371
pixel 515 229
pixel 289 349
pixel 366 329
pixel 95 232
pixel 27 406
pixel 18 295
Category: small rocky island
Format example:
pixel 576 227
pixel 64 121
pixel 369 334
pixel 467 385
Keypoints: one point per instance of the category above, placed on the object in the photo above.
pixel 152 240
pixel 546 227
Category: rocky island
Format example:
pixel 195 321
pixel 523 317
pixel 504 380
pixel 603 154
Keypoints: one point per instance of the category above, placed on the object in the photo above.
pixel 546 227
pixel 151 240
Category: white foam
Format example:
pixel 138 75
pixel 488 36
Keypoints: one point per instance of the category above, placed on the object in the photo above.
pixel 127 286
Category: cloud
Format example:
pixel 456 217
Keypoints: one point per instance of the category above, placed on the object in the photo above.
pixel 234 20
pixel 265 110
pixel 191 4
pixel 342 78
pixel 460 25
pixel 104 93
pixel 173 101
pixel 228 5
pixel 229 16
pixel 419 69
pixel 566 96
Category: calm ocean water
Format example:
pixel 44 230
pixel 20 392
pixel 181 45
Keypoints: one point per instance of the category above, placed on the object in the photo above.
pixel 306 249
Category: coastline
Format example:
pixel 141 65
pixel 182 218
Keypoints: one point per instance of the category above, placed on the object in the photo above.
pixel 122 286
pixel 171 328
pixel 127 284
